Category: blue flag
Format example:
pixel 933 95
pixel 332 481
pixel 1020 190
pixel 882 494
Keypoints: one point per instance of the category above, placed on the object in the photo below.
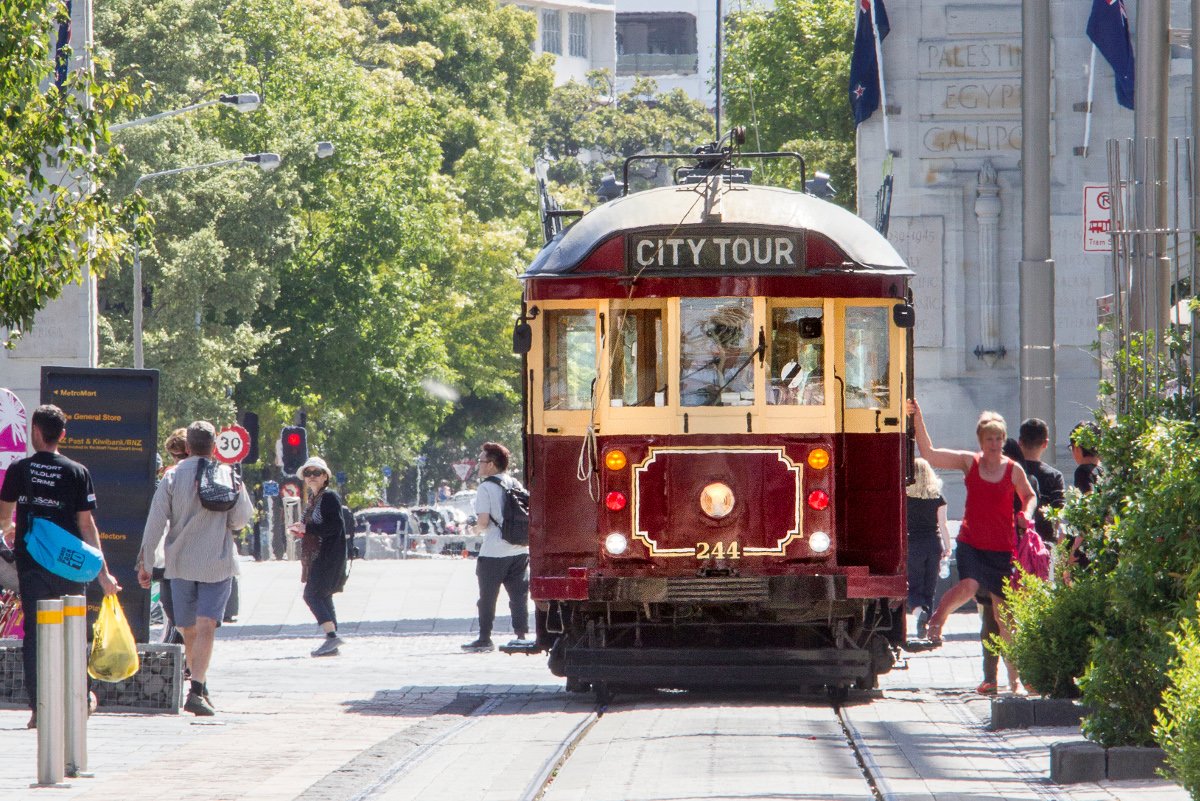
pixel 864 66
pixel 1108 28
pixel 61 43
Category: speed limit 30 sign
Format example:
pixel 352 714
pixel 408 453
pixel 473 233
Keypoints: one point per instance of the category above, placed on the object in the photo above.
pixel 233 444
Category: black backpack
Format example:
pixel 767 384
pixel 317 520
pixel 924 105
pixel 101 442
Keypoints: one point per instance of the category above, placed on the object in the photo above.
pixel 348 530
pixel 218 485
pixel 514 525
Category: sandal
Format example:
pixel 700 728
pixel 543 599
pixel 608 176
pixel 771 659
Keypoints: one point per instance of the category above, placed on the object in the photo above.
pixel 934 633
pixel 987 688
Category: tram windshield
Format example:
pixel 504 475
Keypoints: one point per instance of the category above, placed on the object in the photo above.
pixel 715 352
pixel 797 376
pixel 639 365
pixel 866 352
pixel 570 358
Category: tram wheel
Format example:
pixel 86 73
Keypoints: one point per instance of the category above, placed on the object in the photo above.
pixel 837 693
pixel 603 693
pixel 577 685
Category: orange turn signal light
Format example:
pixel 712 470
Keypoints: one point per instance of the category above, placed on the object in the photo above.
pixel 818 458
pixel 818 499
pixel 615 460
pixel 615 501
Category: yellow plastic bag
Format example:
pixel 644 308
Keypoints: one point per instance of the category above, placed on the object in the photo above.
pixel 114 654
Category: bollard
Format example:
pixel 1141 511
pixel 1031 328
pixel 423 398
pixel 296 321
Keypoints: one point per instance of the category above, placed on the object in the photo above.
pixel 50 693
pixel 75 677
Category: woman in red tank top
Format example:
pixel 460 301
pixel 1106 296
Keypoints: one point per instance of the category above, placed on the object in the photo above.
pixel 986 538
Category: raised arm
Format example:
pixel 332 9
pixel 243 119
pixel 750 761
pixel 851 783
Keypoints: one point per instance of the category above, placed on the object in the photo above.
pixel 937 457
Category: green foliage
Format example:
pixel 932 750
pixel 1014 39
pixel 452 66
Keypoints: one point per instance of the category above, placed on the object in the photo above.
pixel 1178 722
pixel 1052 629
pixel 1124 683
pixel 785 79
pixel 56 214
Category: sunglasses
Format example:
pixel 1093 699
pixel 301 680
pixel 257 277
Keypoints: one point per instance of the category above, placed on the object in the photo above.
pixel 312 472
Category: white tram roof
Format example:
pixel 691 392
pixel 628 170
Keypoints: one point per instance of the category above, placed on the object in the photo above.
pixel 742 204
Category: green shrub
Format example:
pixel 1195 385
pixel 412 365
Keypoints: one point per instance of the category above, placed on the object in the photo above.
pixel 1178 729
pixel 1124 683
pixel 1052 630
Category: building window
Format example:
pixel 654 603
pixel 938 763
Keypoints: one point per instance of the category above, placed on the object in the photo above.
pixel 552 32
pixel 577 41
pixel 656 44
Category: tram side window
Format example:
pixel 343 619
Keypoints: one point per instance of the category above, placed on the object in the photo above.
pixel 570 358
pixel 867 381
pixel 716 351
pixel 797 376
pixel 639 367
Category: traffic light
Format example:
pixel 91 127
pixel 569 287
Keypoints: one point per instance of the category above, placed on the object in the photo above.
pixel 294 441
pixel 250 423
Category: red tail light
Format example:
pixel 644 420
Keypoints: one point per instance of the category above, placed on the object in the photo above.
pixel 615 501
pixel 818 499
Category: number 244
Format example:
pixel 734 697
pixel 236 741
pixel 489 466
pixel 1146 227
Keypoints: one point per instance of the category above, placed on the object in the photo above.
pixel 718 550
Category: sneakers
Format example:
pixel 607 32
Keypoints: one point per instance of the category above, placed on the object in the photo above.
pixel 92 703
pixel 329 647
pixel 987 688
pixel 922 623
pixel 479 647
pixel 198 705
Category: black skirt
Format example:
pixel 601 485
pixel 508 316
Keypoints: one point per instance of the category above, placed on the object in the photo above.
pixel 989 568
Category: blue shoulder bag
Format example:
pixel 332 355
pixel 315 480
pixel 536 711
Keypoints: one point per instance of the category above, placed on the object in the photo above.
pixel 58 550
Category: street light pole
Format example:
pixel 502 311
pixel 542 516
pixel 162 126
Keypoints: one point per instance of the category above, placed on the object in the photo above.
pixel 265 161
pixel 243 101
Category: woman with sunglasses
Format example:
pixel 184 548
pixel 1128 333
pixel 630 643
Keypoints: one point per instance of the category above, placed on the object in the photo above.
pixel 323 551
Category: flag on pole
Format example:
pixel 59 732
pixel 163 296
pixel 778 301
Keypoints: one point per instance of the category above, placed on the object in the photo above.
pixel 61 43
pixel 1108 28
pixel 864 64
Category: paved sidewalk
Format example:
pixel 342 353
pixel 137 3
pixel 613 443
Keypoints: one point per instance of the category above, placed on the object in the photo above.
pixel 293 727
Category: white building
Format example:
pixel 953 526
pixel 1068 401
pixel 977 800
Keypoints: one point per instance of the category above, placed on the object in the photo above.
pixel 579 33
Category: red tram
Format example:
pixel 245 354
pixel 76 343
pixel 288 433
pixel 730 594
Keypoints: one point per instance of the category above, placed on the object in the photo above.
pixel 715 445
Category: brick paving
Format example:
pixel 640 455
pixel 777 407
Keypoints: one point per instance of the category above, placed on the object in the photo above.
pixel 293 727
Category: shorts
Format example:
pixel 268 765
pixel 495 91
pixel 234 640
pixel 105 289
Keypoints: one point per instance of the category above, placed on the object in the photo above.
pixel 989 568
pixel 193 599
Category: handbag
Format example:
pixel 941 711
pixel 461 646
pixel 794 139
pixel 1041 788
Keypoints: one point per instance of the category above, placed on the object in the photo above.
pixel 114 655
pixel 61 552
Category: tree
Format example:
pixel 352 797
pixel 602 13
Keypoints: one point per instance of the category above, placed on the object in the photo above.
pixel 57 218
pixel 785 79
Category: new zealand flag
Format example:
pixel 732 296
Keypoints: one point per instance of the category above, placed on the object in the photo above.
pixel 864 66
pixel 1108 28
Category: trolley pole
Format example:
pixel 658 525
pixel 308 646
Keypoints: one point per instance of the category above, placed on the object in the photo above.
pixel 50 722
pixel 75 675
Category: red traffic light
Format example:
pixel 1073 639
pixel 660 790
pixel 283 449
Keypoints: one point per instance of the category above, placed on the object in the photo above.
pixel 294 439
pixel 294 448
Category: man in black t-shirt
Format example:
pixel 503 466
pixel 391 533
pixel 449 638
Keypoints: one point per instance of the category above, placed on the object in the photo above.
pixel 52 486
pixel 1034 438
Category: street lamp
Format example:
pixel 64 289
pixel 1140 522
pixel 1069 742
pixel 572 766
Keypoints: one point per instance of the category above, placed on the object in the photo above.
pixel 243 101
pixel 265 161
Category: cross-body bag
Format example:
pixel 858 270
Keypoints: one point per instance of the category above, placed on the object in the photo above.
pixel 58 550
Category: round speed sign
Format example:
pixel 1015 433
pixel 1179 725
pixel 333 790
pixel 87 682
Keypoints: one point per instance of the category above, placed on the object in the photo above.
pixel 233 444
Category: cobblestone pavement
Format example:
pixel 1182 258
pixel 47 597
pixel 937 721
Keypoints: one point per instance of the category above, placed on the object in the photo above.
pixel 361 724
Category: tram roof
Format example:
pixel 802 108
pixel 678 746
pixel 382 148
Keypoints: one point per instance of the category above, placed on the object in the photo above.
pixel 746 205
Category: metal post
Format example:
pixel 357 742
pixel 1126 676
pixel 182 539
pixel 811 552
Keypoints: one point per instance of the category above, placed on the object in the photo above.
pixel 138 363
pixel 1037 268
pixel 50 721
pixel 266 545
pixel 75 677
pixel 717 71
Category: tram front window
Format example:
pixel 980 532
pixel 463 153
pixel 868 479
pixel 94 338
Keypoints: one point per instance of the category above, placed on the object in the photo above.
pixel 797 376
pixel 639 368
pixel 716 351
pixel 570 358
pixel 867 382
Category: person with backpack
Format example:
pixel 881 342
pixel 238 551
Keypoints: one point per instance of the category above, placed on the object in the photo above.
pixel 502 517
pixel 322 551
pixel 197 507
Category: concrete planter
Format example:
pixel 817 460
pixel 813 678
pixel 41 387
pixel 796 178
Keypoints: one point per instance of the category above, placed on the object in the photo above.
pixel 1017 712
pixel 1083 761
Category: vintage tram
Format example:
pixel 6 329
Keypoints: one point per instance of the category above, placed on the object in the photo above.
pixel 715 444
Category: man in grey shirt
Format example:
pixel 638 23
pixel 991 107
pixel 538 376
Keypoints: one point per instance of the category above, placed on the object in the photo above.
pixel 500 563
pixel 200 556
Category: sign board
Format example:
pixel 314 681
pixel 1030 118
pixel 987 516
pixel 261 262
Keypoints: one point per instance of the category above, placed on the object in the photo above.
pixel 112 430
pixel 270 489
pixel 463 469
pixel 233 444
pixel 14 431
pixel 702 249
pixel 290 488
pixel 387 472
pixel 1097 216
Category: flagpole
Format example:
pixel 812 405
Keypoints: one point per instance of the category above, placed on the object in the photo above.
pixel 1091 96
pixel 879 72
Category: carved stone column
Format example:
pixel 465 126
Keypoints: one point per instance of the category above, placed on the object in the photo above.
pixel 987 211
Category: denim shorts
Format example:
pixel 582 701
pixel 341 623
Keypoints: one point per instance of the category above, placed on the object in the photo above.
pixel 193 599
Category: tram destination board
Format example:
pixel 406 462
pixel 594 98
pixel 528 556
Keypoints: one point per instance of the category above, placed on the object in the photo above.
pixel 715 250
pixel 112 430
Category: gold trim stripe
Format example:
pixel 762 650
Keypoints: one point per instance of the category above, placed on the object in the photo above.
pixel 49 617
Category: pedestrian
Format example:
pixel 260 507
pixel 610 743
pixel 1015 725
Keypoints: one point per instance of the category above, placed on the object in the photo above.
pixel 499 562
pixel 928 541
pixel 176 447
pixel 444 493
pixel 322 551
pixel 1087 470
pixel 199 557
pixel 1034 438
pixel 986 537
pixel 47 485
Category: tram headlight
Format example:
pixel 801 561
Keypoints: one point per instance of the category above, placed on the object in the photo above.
pixel 819 542
pixel 716 500
pixel 615 501
pixel 615 460
pixel 818 458
pixel 616 543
